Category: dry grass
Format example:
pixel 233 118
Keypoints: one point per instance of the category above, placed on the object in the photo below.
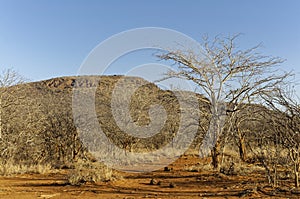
pixel 230 164
pixel 92 172
pixel 199 168
pixel 7 169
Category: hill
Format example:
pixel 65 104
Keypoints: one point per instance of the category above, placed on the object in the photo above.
pixel 38 125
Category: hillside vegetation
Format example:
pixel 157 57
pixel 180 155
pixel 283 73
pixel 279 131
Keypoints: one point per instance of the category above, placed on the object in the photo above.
pixel 38 124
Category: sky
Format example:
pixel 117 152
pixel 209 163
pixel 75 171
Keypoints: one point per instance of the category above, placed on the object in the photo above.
pixel 44 39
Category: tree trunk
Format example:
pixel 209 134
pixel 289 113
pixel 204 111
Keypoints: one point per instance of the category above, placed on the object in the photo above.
pixel 296 165
pixel 296 179
pixel 296 161
pixel 242 148
pixel 215 152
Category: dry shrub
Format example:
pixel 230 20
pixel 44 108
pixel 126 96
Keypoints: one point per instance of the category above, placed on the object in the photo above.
pixel 8 168
pixel 92 172
pixel 240 168
pixel 199 168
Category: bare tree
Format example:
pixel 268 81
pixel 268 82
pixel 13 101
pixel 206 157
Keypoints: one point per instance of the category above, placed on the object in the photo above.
pixel 243 124
pixel 286 122
pixel 55 129
pixel 265 146
pixel 228 77
pixel 38 126
pixel 8 78
pixel 15 118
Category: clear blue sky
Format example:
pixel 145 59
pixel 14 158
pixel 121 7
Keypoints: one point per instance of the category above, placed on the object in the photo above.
pixel 43 39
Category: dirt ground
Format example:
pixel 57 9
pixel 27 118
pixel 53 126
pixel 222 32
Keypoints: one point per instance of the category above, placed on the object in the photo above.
pixel 179 182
